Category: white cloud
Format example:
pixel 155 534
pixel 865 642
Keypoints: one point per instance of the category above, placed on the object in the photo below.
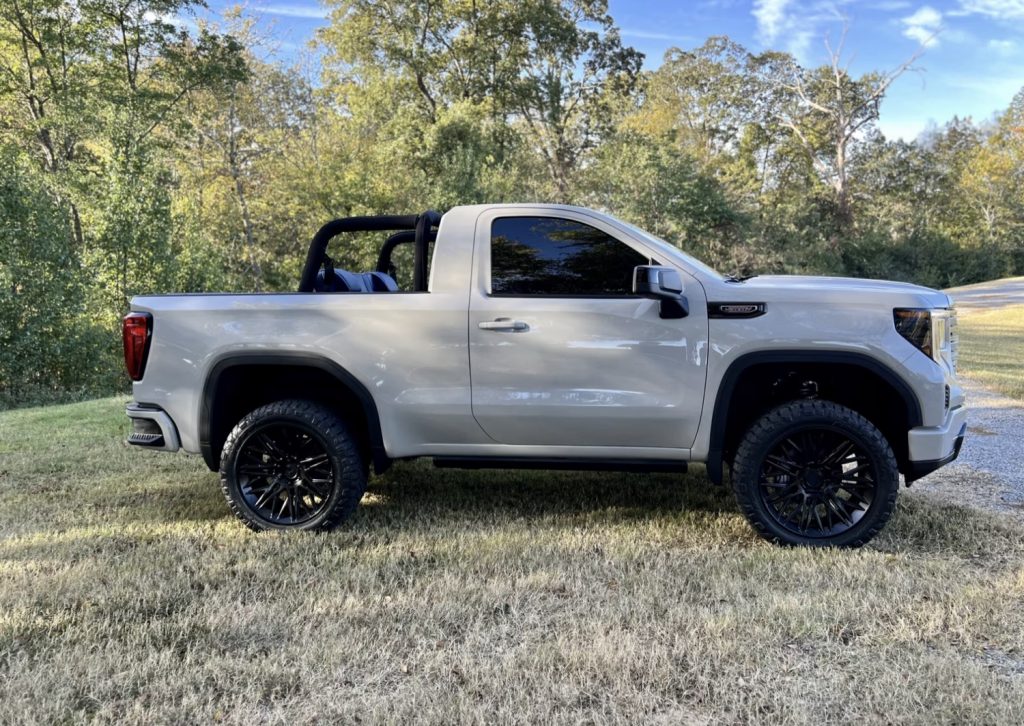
pixel 771 18
pixel 794 24
pixel 314 12
pixel 151 17
pixel 650 35
pixel 907 129
pixel 1005 48
pixel 1000 88
pixel 923 25
pixel 998 9
pixel 925 15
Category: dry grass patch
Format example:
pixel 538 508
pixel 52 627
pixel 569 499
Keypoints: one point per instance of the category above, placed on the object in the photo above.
pixel 128 594
pixel 992 347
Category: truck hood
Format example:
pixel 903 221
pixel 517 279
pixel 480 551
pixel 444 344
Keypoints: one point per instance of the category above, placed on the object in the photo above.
pixel 797 288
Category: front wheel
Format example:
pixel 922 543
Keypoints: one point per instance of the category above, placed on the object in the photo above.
pixel 815 473
pixel 292 465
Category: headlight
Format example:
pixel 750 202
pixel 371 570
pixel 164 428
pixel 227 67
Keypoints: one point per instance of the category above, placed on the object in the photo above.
pixel 933 332
pixel 944 337
pixel 915 324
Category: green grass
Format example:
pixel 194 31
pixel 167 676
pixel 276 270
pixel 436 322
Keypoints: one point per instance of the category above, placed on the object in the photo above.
pixel 128 594
pixel 992 347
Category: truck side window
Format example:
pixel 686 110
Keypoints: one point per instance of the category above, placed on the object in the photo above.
pixel 552 256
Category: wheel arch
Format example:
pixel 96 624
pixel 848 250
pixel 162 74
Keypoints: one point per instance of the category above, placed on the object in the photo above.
pixel 296 374
pixel 724 421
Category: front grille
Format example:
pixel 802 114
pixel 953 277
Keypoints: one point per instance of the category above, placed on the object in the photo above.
pixel 947 397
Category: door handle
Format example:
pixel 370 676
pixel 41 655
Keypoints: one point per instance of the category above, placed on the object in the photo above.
pixel 504 324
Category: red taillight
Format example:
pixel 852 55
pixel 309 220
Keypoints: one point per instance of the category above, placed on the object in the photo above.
pixel 135 329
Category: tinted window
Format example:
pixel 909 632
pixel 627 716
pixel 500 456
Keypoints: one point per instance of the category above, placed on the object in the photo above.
pixel 549 256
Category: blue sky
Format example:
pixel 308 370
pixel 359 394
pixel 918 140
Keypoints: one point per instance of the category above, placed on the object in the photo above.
pixel 972 65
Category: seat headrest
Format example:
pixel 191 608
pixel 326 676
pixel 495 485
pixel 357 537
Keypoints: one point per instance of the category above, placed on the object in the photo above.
pixel 379 282
pixel 339 280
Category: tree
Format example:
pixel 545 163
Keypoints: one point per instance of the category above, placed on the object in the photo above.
pixel 828 111
pixel 992 183
pixel 538 68
pixel 46 342
pixel 69 68
pixel 238 131
pixel 661 189
pixel 568 78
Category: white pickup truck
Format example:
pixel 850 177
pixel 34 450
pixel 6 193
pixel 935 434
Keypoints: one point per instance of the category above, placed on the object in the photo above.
pixel 552 337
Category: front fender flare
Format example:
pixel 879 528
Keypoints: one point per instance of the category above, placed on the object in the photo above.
pixel 723 399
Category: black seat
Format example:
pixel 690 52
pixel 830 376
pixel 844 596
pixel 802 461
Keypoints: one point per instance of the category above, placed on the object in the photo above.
pixel 379 282
pixel 345 281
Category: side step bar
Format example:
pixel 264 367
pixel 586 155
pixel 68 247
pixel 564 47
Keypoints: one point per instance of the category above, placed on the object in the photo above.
pixel 632 465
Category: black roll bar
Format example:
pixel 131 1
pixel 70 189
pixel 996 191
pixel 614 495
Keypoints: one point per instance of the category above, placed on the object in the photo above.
pixel 419 264
pixel 384 263
pixel 420 224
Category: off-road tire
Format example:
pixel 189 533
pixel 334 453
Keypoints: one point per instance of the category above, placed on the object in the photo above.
pixel 348 480
pixel 800 416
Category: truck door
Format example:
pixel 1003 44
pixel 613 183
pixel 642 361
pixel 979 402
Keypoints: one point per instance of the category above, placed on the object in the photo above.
pixel 562 353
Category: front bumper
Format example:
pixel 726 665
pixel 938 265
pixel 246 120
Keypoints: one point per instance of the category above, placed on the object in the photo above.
pixel 152 428
pixel 931 447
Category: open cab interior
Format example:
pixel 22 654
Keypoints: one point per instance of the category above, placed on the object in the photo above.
pixel 320 275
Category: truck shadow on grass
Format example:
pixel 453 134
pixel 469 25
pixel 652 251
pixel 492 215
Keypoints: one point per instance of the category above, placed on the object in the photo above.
pixel 409 489
pixel 416 497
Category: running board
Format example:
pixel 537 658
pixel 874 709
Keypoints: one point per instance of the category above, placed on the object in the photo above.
pixel 489 462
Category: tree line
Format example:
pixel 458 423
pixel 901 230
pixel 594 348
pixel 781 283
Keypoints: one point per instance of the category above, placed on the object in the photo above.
pixel 142 150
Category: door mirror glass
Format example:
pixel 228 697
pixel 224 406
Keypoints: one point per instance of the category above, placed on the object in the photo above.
pixel 664 284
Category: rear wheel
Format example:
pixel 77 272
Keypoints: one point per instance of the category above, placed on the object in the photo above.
pixel 815 473
pixel 292 465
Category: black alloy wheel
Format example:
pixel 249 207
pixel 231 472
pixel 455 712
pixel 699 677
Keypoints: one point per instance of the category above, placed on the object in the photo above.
pixel 292 465
pixel 817 482
pixel 815 473
pixel 284 472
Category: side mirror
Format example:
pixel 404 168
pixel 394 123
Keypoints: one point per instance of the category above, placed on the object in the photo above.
pixel 664 284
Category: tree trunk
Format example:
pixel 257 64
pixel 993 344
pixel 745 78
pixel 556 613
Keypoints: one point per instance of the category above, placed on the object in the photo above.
pixel 234 168
pixel 76 227
pixel 250 237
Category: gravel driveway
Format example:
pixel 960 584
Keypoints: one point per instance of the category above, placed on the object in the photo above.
pixel 988 473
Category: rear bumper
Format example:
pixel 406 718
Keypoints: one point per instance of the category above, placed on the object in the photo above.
pixel 932 447
pixel 152 428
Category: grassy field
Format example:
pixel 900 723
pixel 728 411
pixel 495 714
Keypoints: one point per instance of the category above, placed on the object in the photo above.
pixel 128 594
pixel 992 345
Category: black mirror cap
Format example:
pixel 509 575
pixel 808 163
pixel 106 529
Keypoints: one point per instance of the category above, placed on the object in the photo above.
pixel 664 284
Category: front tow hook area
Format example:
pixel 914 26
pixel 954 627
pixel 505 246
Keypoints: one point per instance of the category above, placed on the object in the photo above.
pixel 919 469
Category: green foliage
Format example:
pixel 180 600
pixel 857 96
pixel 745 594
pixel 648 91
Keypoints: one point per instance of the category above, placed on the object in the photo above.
pixel 140 154
pixel 546 73
pixel 48 345
pixel 659 188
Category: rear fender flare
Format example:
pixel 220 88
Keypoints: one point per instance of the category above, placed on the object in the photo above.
pixel 378 454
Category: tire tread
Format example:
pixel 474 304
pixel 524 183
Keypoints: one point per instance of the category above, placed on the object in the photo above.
pixel 338 438
pixel 746 468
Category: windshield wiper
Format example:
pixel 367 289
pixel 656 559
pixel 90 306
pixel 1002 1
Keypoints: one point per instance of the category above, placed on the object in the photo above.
pixel 738 278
